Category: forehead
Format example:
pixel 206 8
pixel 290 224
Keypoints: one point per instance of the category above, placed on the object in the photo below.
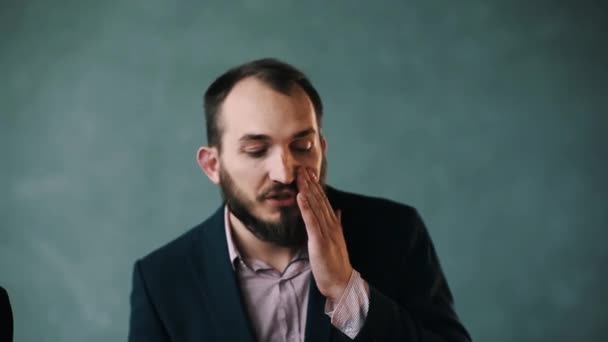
pixel 253 107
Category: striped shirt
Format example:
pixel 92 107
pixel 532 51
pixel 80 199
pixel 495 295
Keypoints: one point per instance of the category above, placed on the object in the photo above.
pixel 277 302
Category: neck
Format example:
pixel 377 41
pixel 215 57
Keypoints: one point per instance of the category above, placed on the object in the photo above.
pixel 250 247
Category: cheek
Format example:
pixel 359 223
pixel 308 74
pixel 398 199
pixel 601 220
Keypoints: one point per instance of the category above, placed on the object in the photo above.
pixel 249 178
pixel 241 166
pixel 315 159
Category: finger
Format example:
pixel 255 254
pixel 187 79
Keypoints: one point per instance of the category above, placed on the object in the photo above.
pixel 310 220
pixel 322 195
pixel 310 193
pixel 307 204
pixel 321 200
pixel 327 216
pixel 314 201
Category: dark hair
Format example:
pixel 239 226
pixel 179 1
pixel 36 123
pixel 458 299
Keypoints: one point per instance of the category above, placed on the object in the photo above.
pixel 278 75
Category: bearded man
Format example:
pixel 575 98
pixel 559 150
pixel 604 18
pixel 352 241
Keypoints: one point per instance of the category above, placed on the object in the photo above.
pixel 287 257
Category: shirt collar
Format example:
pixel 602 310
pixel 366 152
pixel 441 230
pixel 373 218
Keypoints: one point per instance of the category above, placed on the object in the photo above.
pixel 233 253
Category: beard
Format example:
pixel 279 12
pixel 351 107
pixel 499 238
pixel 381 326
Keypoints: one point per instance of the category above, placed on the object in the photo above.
pixel 288 231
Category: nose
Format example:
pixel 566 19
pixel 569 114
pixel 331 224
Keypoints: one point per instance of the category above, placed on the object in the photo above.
pixel 282 168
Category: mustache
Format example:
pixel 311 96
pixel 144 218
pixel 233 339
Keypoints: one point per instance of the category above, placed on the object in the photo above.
pixel 278 189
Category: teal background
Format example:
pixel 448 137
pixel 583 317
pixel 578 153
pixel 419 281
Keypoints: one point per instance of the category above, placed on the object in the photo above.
pixel 490 117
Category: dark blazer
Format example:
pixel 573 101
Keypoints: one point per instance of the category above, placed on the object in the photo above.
pixel 187 289
pixel 6 317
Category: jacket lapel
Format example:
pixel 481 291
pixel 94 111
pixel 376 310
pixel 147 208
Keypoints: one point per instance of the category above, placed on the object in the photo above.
pixel 221 293
pixel 318 325
pixel 218 283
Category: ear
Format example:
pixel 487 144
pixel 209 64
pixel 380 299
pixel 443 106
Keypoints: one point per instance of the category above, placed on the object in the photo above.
pixel 209 161
pixel 323 144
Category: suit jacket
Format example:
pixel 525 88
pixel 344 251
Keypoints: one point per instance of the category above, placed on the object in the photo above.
pixel 188 291
pixel 6 317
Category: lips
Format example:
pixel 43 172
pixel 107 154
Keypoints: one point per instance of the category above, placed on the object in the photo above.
pixel 282 195
pixel 283 198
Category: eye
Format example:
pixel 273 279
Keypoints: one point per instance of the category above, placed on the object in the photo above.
pixel 303 146
pixel 256 153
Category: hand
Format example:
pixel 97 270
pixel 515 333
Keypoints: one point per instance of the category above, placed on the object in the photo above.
pixel 326 245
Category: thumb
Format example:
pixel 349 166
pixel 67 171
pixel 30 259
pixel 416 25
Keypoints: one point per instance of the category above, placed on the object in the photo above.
pixel 339 215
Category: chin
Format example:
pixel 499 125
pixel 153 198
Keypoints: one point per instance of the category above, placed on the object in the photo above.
pixel 268 213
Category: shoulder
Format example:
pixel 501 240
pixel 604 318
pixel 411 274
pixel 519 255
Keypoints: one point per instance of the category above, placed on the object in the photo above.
pixel 5 305
pixel 3 294
pixel 376 207
pixel 376 223
pixel 175 251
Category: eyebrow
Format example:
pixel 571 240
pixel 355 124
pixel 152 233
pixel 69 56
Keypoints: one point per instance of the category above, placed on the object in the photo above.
pixel 264 137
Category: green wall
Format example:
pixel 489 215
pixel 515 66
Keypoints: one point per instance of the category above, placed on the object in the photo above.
pixel 490 117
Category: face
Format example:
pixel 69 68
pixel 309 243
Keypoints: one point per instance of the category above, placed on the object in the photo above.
pixel 267 136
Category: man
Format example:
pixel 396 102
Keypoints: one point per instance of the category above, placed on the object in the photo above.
pixel 6 317
pixel 287 257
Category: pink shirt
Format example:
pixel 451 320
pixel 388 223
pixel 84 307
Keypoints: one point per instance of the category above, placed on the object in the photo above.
pixel 277 302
